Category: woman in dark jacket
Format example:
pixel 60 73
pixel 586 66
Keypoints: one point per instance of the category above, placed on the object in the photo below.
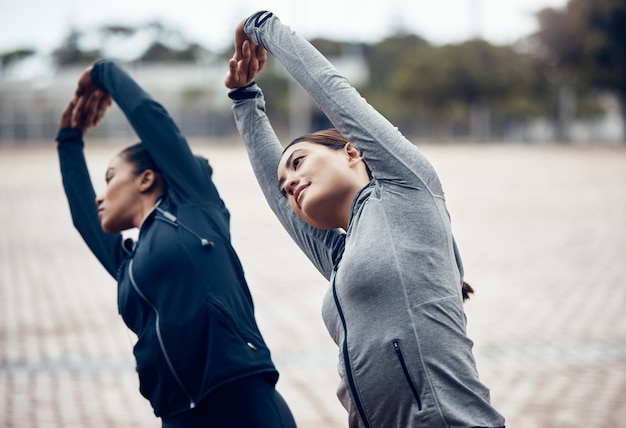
pixel 200 356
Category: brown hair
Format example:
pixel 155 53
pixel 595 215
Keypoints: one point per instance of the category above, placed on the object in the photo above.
pixel 466 289
pixel 330 138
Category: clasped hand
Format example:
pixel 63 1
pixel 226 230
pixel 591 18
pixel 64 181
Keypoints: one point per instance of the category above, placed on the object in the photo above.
pixel 247 61
pixel 87 106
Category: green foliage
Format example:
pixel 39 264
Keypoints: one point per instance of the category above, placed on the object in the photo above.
pixel 193 94
pixel 587 41
pixel 423 84
pixel 387 56
pixel 275 82
pixel 418 85
pixel 327 47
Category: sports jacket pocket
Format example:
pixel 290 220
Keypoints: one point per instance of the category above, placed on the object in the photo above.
pixel 407 375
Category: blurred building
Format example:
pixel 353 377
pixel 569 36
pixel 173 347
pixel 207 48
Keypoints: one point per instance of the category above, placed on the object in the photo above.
pixel 194 94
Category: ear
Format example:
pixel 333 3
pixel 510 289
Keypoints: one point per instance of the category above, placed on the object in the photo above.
pixel 147 181
pixel 353 154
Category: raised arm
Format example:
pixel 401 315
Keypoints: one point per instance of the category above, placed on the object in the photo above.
pixel 388 154
pixel 79 190
pixel 154 127
pixel 264 151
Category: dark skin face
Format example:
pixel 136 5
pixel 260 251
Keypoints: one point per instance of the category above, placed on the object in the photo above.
pixel 128 197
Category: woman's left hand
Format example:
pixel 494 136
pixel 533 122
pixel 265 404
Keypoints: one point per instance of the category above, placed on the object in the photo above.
pixel 91 102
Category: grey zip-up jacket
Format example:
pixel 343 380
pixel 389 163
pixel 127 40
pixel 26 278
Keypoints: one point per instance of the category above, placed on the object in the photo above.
pixel 394 306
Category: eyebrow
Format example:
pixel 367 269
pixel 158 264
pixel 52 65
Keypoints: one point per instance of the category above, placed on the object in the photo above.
pixel 287 165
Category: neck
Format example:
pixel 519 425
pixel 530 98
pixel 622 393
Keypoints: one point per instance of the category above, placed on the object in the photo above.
pixel 148 204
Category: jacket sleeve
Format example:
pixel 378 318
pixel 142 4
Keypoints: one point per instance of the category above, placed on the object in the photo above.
pixel 158 132
pixel 264 151
pixel 388 154
pixel 82 201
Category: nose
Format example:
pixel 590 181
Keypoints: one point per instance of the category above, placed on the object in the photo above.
pixel 99 200
pixel 291 184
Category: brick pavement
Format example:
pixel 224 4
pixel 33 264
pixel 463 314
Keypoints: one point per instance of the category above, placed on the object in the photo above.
pixel 542 231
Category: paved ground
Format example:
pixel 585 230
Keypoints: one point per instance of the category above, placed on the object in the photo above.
pixel 543 235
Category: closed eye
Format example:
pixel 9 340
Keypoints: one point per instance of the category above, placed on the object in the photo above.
pixel 108 175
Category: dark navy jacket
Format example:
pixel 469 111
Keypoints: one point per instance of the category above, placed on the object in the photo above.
pixel 181 287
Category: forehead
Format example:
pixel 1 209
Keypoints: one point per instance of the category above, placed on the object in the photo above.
pixel 118 162
pixel 292 151
pixel 302 146
pixel 299 145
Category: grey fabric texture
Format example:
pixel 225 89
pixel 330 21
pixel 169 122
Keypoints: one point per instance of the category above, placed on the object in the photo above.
pixel 394 306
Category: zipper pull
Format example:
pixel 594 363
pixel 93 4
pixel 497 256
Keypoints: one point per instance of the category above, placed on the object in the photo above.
pixel 171 217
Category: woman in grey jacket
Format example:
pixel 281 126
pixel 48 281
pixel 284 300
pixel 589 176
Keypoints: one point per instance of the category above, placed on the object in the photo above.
pixel 368 210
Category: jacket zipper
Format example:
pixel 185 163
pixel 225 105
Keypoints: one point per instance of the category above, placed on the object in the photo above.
pixel 192 403
pixel 346 357
pixel 407 375
pixel 172 220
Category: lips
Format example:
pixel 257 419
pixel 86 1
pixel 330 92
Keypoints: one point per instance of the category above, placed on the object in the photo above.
pixel 298 194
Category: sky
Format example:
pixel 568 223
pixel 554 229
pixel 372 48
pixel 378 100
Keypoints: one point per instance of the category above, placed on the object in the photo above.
pixel 43 24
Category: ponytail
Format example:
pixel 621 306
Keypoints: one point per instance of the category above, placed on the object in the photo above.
pixel 466 289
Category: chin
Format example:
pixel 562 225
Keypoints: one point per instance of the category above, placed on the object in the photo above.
pixel 316 224
pixel 107 228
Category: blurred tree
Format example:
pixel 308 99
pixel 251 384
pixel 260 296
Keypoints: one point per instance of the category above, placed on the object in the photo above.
pixel 117 30
pixel 328 48
pixel 164 44
pixel 70 51
pixel 275 81
pixel 385 57
pixel 11 57
pixel 585 45
pixel 168 45
pixel 470 85
pixel 161 52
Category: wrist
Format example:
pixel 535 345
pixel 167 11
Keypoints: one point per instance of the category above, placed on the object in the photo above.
pixel 244 93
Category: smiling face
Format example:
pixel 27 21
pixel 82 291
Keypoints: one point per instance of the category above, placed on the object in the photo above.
pixel 320 182
pixel 119 208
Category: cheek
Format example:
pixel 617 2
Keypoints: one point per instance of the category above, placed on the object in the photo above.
pixel 114 195
pixel 109 193
pixel 294 207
